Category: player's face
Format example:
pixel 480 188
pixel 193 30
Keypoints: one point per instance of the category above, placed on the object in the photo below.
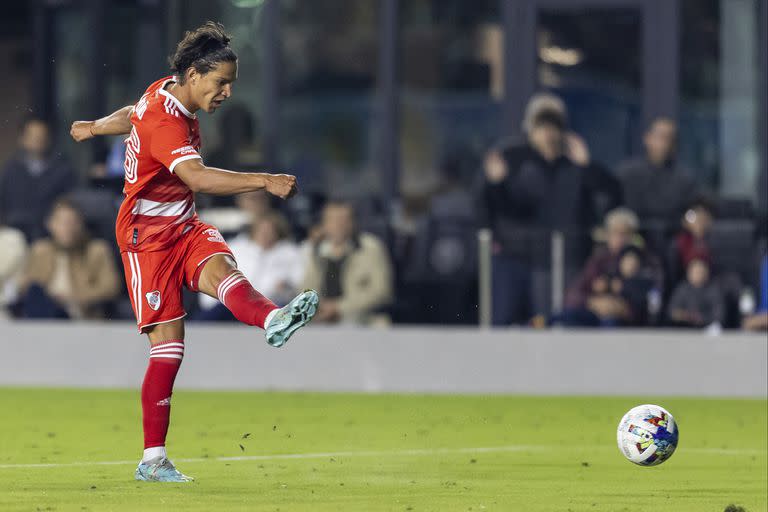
pixel 215 87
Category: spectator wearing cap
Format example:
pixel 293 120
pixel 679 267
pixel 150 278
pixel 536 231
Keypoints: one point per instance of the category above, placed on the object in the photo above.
pixel 587 299
pixel 32 180
pixel 656 186
pixel 543 184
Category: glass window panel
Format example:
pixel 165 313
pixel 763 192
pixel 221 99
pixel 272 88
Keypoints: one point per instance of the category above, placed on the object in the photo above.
pixel 719 94
pixel 450 72
pixel 592 58
pixel 231 137
pixel 328 78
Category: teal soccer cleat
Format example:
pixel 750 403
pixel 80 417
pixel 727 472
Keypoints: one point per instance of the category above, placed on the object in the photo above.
pixel 291 317
pixel 160 469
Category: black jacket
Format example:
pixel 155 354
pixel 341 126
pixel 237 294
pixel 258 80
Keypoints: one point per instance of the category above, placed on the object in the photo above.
pixel 26 199
pixel 657 194
pixel 552 196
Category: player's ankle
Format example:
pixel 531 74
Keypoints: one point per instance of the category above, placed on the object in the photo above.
pixel 153 453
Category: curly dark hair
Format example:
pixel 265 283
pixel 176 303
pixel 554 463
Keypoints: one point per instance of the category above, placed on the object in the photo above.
pixel 202 49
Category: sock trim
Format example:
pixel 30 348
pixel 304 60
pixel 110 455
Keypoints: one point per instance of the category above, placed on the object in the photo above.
pixel 171 349
pixel 228 283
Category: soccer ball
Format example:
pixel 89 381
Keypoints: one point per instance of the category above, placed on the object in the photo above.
pixel 647 435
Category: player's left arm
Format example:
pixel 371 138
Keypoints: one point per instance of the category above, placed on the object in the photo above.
pixel 116 123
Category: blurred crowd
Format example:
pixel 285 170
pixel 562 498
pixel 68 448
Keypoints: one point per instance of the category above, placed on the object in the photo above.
pixel 642 244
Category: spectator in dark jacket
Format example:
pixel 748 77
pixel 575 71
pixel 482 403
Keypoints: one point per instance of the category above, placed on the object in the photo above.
pixel 656 187
pixel 523 180
pixel 697 301
pixel 522 184
pixel 31 181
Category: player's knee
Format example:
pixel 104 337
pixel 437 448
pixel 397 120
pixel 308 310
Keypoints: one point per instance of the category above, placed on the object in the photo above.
pixel 216 270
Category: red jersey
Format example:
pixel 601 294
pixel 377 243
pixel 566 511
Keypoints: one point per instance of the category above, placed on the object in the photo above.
pixel 158 206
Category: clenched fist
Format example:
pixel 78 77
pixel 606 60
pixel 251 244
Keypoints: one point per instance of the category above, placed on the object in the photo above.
pixel 281 185
pixel 81 130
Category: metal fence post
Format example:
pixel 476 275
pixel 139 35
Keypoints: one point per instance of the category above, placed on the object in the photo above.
pixel 557 254
pixel 485 297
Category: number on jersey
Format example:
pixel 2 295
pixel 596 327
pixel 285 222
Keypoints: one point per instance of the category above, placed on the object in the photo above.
pixel 132 149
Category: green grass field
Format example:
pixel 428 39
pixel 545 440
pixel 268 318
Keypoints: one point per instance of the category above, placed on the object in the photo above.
pixel 324 452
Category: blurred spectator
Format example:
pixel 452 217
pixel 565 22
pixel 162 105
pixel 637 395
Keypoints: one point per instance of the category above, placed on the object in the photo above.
pixel 114 166
pixel 691 242
pixel 11 263
pixel 553 166
pixel 255 204
pixel 656 187
pixel 68 275
pixel 31 181
pixel 759 320
pixel 593 298
pixel 522 185
pixel 270 260
pixel 697 301
pixel 453 198
pixel 351 270
pixel 616 299
pixel 237 149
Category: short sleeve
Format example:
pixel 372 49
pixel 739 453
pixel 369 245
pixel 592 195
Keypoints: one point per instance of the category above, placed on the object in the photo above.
pixel 171 144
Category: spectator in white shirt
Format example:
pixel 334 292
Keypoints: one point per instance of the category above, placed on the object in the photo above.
pixel 270 260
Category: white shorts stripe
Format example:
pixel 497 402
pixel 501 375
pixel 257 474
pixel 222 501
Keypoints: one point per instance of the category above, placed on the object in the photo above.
pixel 134 288
pixel 139 296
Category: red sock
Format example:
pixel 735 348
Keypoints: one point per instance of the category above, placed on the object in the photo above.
pixel 164 361
pixel 248 305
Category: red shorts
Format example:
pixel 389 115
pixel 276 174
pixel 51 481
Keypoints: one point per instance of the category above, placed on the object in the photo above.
pixel 155 279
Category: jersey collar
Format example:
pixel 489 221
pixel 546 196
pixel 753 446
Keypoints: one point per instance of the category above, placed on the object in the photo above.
pixel 174 99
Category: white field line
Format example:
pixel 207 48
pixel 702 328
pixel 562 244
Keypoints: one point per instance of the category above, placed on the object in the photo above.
pixel 390 453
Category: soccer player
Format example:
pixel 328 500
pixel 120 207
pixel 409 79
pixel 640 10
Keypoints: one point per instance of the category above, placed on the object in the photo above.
pixel 163 244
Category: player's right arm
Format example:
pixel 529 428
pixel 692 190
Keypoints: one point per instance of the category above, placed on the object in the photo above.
pixel 211 180
pixel 170 145
pixel 117 123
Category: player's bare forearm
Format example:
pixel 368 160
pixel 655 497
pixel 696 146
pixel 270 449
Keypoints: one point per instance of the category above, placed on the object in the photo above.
pixel 117 123
pixel 211 180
